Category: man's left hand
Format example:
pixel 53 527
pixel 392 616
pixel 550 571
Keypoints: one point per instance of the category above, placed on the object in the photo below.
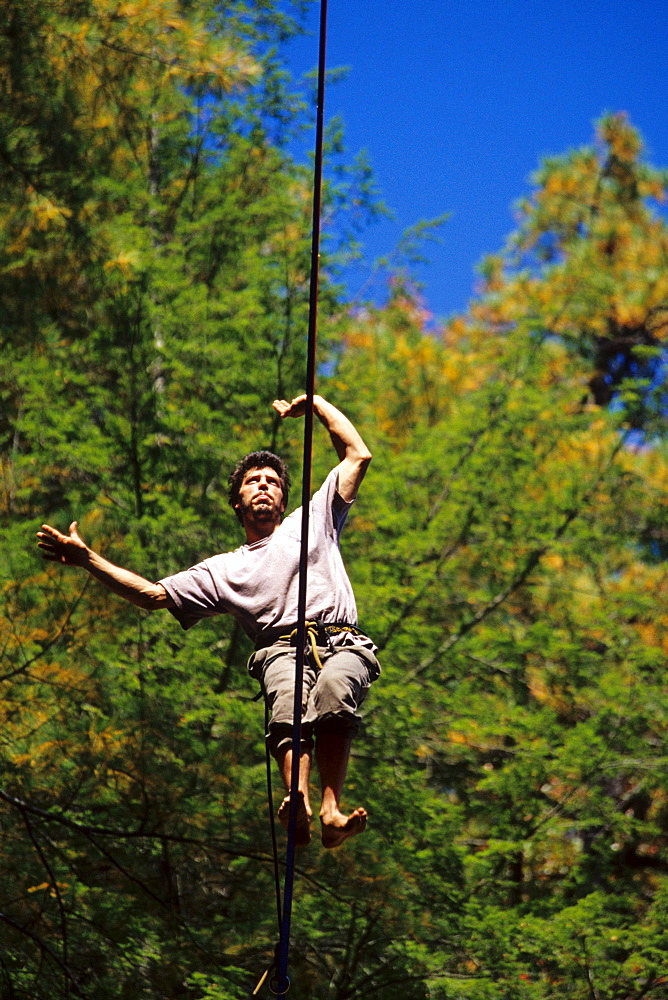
pixel 296 408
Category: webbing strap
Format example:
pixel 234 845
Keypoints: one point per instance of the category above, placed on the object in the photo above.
pixel 283 982
pixel 310 633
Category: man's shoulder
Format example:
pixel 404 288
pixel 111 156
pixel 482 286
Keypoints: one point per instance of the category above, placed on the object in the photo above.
pixel 232 554
pixel 329 484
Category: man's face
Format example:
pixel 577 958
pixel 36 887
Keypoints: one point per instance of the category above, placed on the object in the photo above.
pixel 261 496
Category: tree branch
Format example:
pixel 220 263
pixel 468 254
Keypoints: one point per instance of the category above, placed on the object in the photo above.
pixel 530 564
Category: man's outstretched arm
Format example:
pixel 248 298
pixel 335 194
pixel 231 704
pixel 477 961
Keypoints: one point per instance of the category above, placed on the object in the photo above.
pixel 71 550
pixel 353 453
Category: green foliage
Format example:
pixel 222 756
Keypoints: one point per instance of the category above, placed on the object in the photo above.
pixel 507 549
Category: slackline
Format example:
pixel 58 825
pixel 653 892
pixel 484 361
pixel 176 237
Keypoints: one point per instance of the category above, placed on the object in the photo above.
pixel 280 985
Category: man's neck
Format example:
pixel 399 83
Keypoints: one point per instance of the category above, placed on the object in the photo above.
pixel 257 530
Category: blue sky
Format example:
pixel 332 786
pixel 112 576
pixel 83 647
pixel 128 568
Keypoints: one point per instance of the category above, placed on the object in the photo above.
pixel 456 103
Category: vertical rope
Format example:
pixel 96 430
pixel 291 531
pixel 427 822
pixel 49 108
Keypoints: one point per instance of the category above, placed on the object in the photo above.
pixel 272 821
pixel 284 944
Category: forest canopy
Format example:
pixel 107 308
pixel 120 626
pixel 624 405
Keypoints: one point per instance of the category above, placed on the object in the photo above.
pixel 507 550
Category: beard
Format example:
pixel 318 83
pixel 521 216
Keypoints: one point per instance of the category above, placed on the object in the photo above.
pixel 264 511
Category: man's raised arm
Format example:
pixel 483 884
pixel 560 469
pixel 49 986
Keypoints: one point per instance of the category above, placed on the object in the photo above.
pixel 71 550
pixel 353 453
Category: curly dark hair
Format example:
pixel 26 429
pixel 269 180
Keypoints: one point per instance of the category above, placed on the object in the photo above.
pixel 257 460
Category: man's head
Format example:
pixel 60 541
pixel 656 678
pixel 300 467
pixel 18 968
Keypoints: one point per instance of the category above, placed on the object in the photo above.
pixel 259 487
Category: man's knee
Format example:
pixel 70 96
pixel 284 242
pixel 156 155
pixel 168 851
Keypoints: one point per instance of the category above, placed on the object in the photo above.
pixel 280 737
pixel 337 723
pixel 274 668
pixel 342 685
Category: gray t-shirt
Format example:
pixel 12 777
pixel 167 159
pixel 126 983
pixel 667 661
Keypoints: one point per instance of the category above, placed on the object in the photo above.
pixel 258 584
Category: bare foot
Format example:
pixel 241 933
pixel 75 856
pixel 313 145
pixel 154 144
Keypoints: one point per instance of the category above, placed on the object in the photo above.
pixel 339 827
pixel 303 823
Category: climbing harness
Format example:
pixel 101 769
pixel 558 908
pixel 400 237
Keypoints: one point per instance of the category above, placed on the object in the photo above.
pixel 316 634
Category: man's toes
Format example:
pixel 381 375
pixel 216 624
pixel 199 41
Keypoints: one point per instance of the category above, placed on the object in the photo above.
pixel 334 835
pixel 357 821
pixel 284 811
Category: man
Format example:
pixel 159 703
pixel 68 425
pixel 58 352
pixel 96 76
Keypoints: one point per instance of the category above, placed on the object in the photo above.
pixel 258 584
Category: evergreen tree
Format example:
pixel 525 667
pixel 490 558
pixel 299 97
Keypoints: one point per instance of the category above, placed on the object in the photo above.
pixel 507 549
